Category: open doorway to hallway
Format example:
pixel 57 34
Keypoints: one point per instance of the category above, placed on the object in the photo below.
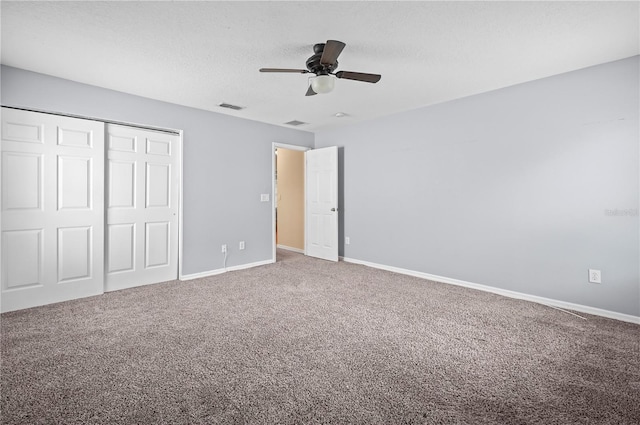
pixel 289 198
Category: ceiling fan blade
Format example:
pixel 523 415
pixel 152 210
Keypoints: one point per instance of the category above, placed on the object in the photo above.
pixel 310 91
pixel 332 50
pixel 298 71
pixel 358 76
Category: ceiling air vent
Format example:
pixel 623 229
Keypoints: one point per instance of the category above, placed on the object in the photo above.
pixel 230 106
pixel 296 123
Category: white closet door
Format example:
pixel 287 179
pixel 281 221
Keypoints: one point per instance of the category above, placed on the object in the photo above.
pixel 52 209
pixel 142 207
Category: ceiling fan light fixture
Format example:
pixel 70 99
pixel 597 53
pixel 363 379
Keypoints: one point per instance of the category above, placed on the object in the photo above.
pixel 323 83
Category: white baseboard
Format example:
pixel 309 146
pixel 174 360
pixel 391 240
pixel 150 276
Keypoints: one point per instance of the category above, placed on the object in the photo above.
pixel 505 292
pixel 201 274
pixel 290 248
pixel 250 265
pixel 220 271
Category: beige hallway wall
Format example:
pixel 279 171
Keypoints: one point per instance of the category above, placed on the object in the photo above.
pixel 290 190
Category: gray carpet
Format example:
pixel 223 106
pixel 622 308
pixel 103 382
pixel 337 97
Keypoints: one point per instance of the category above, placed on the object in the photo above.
pixel 309 341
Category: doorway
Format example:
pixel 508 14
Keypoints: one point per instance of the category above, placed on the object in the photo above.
pixel 288 198
pixel 319 205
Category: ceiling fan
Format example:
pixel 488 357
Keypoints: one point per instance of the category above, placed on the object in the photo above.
pixel 323 63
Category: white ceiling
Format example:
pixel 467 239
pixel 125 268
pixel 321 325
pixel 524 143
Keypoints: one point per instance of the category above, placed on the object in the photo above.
pixel 200 54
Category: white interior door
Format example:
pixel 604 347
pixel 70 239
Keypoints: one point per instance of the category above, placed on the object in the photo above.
pixel 321 223
pixel 52 208
pixel 142 207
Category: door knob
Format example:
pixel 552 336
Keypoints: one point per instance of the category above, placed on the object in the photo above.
pixel 333 209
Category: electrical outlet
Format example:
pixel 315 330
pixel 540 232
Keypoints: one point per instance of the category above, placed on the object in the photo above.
pixel 241 245
pixel 224 248
pixel 595 276
pixel 347 241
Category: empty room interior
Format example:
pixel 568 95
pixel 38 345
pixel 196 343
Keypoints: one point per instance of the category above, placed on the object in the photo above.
pixel 320 212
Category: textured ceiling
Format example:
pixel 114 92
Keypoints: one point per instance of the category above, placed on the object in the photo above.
pixel 200 54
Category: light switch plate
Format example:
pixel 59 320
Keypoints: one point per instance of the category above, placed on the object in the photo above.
pixel 264 197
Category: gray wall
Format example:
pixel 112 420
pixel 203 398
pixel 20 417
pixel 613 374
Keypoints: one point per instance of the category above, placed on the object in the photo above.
pixel 507 188
pixel 226 162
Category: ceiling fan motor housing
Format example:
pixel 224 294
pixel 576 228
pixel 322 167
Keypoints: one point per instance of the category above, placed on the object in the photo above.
pixel 314 65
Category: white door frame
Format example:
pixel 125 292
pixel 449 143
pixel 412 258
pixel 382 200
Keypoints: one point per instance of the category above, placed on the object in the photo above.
pixel 180 191
pixel 275 146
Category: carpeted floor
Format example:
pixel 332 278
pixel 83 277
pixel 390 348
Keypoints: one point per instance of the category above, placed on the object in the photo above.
pixel 309 341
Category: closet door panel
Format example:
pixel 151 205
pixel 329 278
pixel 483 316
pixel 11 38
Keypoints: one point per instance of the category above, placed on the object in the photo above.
pixel 52 209
pixel 142 213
